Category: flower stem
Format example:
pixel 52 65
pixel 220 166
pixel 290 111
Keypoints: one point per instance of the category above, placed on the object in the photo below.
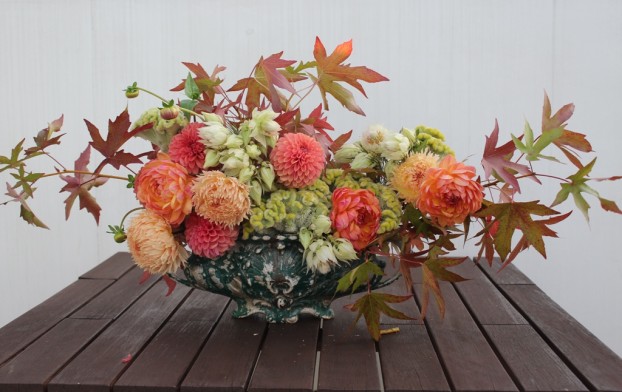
pixel 84 172
pixel 190 112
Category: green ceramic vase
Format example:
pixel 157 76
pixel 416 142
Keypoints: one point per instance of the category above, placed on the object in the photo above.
pixel 268 275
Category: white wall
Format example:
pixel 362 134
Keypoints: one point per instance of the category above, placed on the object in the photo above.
pixel 453 65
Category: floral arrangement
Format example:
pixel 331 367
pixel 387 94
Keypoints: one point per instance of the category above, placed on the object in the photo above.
pixel 228 164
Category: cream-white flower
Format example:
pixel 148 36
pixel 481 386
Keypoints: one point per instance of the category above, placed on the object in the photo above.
pixel 343 249
pixel 321 225
pixel 211 117
pixel 347 153
pixel 214 135
pixel 266 172
pixel 212 158
pixel 233 161
pixel 373 138
pixel 253 151
pixel 362 160
pixel 395 147
pixel 263 127
pixel 320 256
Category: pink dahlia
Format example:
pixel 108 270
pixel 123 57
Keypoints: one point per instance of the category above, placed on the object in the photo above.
pixel 209 239
pixel 298 160
pixel 187 149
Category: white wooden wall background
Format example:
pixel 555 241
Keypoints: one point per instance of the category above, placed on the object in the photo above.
pixel 453 65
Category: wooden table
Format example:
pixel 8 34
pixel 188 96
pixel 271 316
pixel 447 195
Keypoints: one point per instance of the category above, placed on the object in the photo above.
pixel 500 333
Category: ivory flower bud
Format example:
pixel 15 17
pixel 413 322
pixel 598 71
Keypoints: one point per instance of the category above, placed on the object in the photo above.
pixel 267 174
pixel 234 141
pixel 212 158
pixel 347 153
pixel 305 237
pixel 214 135
pixel 253 151
pixel 362 160
pixel 395 147
pixel 246 174
pixel 321 225
pixel 320 256
pixel 373 138
pixel 212 117
pixel 343 249
pixel 255 192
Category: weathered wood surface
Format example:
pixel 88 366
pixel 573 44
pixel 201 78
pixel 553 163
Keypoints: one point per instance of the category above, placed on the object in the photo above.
pixel 106 332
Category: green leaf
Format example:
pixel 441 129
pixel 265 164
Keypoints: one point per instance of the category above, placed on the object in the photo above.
pixel 371 305
pixel 533 148
pixel 191 89
pixel 188 104
pixel 359 276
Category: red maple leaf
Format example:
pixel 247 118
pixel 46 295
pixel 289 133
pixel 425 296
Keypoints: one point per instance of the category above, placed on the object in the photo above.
pixel 331 70
pixel 497 159
pixel 79 185
pixel 118 134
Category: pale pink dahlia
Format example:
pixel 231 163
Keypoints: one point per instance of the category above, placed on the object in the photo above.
pixel 187 150
pixel 298 160
pixel 209 239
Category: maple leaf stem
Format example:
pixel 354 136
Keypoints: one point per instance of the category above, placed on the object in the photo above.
pixel 97 175
pixel 55 160
pixel 311 87
pixel 190 112
pixel 493 183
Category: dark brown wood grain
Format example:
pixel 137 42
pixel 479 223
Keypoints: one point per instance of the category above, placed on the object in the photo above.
pixel 409 361
pixel 348 354
pixel 287 360
pixel 30 370
pixel 510 274
pixel 486 303
pixel 471 363
pixel 167 358
pixel 531 360
pixel 598 366
pixel 101 363
pixel 25 329
pixel 112 268
pixel 226 361
pixel 118 297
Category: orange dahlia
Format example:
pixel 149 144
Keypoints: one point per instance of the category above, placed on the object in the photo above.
pixel 407 177
pixel 209 239
pixel 355 216
pixel 163 187
pixel 449 194
pixel 298 160
pixel 152 244
pixel 220 199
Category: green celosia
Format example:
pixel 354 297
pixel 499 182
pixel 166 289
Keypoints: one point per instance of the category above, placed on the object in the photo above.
pixel 161 131
pixel 431 139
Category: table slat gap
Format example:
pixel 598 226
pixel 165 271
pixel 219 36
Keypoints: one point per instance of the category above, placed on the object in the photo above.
pixel 98 286
pixel 558 351
pixel 150 339
pixel 484 333
pixel 256 361
pixel 437 350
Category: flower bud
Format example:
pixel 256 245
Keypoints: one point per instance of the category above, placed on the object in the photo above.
pixel 267 174
pixel 347 153
pixel 321 225
pixel 211 158
pixel 395 147
pixel 255 192
pixel 234 161
pixel 246 173
pixel 234 141
pixel 410 134
pixel 362 160
pixel 320 256
pixel 343 249
pixel 169 113
pixel 253 151
pixel 305 237
pixel 214 135
pixel 212 117
pixel 120 237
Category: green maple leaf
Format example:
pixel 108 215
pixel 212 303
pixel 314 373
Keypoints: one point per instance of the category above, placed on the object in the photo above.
pixel 578 185
pixel 532 148
pixel 371 305
pixel 512 216
pixel 358 277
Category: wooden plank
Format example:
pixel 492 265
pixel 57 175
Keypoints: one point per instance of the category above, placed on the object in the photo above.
pixel 20 332
pixel 409 362
pixel 508 275
pixel 347 354
pixel 118 297
pixel 112 268
pixel 100 364
pixel 287 360
pixel 470 361
pixel 596 365
pixel 408 307
pixel 486 303
pixel 532 362
pixel 164 362
pixel 30 370
pixel 227 359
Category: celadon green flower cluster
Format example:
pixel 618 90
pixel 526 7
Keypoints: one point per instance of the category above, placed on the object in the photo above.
pixel 382 149
pixel 162 130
